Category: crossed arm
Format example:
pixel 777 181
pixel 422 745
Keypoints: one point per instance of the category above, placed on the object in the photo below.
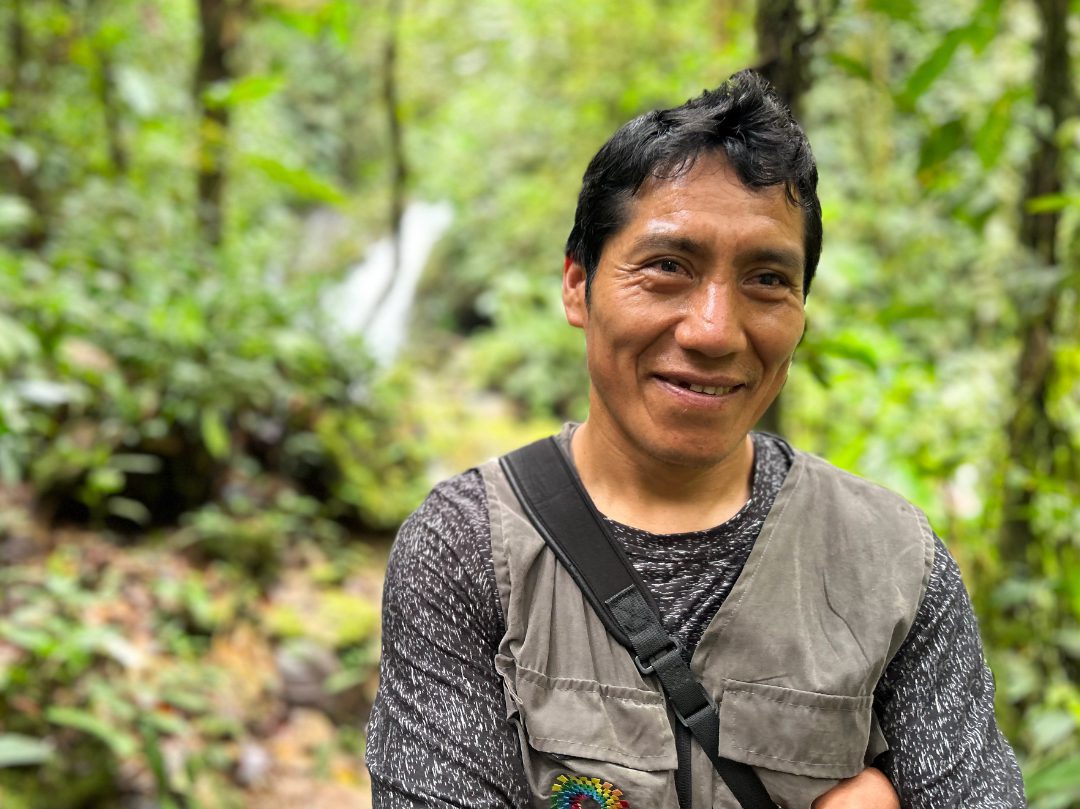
pixel 870 789
pixel 438 736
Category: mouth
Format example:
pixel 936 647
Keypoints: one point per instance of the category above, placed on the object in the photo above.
pixel 700 387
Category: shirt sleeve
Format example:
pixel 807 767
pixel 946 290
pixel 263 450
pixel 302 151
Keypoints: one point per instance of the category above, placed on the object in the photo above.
pixel 935 704
pixel 438 735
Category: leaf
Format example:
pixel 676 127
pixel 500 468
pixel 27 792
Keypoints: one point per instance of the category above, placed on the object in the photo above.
pixel 903 10
pixel 241 91
pixel 214 433
pixel 1050 728
pixel 1052 203
pixel 304 183
pixel 129 509
pixel 136 89
pixel 17 750
pixel 938 147
pixel 932 67
pixel 1061 777
pixel 15 213
pixel 122 744
pixel 990 137
pixel 851 65
pixel 984 25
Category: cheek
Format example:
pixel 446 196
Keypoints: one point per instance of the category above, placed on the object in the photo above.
pixel 778 344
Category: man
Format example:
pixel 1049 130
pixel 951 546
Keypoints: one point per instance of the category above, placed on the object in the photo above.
pixel 823 616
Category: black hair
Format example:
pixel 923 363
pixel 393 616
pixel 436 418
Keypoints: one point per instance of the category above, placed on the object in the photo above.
pixel 743 118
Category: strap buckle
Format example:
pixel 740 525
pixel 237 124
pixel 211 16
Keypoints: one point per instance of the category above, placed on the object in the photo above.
pixel 706 711
pixel 675 647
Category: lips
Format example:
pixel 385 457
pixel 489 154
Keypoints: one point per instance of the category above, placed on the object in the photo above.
pixel 708 387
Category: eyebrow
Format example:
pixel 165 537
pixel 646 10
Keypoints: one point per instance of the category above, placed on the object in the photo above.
pixel 662 241
pixel 788 259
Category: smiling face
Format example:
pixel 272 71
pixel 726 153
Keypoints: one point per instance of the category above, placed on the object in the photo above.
pixel 695 310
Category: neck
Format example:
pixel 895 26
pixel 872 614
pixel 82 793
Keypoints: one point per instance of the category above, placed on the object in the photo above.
pixel 645 492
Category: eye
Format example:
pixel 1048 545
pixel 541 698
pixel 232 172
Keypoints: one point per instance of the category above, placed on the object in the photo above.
pixel 667 265
pixel 770 279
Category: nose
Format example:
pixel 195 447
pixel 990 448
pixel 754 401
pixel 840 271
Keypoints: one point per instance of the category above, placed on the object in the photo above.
pixel 712 323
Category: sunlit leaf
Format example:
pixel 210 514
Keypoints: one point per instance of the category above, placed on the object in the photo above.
pixel 215 434
pixel 242 91
pixel 990 137
pixel 1052 203
pixel 1050 728
pixel 904 10
pixel 1060 777
pixel 931 68
pixel 302 182
pixel 17 750
pixel 122 743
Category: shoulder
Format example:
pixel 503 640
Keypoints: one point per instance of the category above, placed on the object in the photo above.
pixel 454 511
pixel 871 533
pixel 825 474
pixel 830 490
pixel 446 540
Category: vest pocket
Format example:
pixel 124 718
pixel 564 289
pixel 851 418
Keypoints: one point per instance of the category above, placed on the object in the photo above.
pixel 582 730
pixel 627 726
pixel 797 732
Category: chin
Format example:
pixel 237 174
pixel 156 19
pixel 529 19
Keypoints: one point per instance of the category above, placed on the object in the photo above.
pixel 693 454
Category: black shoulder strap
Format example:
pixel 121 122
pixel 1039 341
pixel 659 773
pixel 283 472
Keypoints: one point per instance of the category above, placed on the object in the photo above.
pixel 555 501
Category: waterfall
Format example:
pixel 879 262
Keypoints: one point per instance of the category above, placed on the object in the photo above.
pixel 375 301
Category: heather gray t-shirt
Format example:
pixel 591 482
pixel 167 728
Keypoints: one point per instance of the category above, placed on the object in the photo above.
pixel 438 736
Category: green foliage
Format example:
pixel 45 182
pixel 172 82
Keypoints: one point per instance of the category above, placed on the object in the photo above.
pixel 141 662
pixel 194 395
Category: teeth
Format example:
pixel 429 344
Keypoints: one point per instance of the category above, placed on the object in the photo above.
pixel 710 391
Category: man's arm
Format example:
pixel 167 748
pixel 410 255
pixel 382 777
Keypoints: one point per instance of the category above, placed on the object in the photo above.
pixel 438 734
pixel 935 704
pixel 870 789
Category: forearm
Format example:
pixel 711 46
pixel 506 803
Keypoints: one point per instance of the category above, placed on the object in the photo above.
pixel 438 736
pixel 935 704
pixel 870 789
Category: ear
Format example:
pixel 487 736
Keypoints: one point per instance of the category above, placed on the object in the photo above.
pixel 573 293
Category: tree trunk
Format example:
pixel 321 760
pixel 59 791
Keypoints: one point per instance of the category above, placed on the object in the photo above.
pixel 398 167
pixel 1032 434
pixel 784 47
pixel 114 134
pixel 217 27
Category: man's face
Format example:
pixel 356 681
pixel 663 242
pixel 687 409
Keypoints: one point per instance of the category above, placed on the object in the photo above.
pixel 695 311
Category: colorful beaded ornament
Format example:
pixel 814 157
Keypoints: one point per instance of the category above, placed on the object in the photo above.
pixel 582 792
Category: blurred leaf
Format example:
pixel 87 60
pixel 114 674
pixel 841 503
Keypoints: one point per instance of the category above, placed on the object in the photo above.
pixel 122 743
pixel 1062 777
pixel 137 90
pixel 990 137
pixel 1050 728
pixel 17 750
pixel 241 91
pixel 851 66
pixel 15 213
pixel 215 434
pixel 304 183
pixel 938 146
pixel 931 68
pixel 903 10
pixel 1052 203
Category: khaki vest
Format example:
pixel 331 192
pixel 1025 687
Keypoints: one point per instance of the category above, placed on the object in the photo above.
pixel 792 657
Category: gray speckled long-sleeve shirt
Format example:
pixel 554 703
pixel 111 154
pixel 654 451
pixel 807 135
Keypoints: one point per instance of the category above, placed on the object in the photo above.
pixel 438 736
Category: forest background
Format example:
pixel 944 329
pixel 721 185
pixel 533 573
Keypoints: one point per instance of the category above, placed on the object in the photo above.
pixel 212 213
